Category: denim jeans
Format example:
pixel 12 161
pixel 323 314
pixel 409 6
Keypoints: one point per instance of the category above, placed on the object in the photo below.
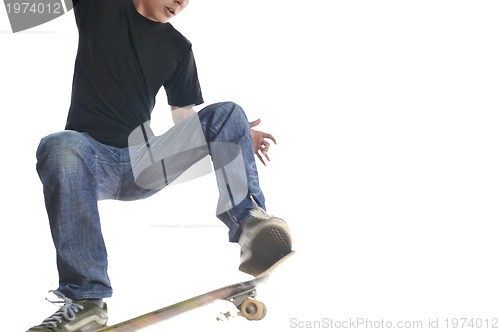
pixel 77 171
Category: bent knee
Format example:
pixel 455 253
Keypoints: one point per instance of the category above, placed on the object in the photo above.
pixel 235 110
pixel 224 114
pixel 59 144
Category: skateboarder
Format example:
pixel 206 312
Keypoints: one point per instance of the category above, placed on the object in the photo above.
pixel 127 52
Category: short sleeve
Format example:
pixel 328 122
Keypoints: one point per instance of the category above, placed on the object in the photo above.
pixel 183 89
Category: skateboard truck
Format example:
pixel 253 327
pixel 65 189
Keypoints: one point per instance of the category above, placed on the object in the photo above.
pixel 247 305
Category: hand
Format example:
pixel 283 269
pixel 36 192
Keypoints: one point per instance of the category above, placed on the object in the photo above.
pixel 260 143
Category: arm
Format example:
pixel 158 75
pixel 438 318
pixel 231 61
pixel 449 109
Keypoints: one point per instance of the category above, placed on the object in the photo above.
pixel 181 113
pixel 259 138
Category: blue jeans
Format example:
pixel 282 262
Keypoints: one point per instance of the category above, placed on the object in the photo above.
pixel 77 171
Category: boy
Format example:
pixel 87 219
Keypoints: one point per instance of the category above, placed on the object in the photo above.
pixel 127 51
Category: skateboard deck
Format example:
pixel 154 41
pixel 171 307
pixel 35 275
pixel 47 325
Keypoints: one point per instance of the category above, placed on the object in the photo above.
pixel 241 294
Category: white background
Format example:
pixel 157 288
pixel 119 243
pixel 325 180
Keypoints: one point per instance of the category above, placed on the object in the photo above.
pixel 387 164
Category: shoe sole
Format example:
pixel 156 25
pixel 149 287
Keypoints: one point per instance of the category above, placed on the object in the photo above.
pixel 269 245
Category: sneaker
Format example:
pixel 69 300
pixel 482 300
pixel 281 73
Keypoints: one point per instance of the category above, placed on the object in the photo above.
pixel 77 316
pixel 264 240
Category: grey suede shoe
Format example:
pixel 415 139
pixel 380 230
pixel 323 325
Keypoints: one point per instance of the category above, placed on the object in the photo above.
pixel 77 316
pixel 264 241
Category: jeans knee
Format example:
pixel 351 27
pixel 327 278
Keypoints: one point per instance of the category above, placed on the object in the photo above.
pixel 58 148
pixel 57 142
pixel 236 112
pixel 228 114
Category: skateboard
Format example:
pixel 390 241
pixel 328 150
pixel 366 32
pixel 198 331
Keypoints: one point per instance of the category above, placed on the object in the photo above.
pixel 242 295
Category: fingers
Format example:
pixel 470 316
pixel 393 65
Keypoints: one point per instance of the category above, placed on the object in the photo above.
pixel 264 148
pixel 261 145
pixel 262 151
pixel 254 123
pixel 261 159
pixel 264 135
pixel 259 151
pixel 260 154
pixel 269 136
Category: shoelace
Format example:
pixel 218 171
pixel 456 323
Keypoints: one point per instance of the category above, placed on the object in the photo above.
pixel 66 312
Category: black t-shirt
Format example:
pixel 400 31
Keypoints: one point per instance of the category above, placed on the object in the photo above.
pixel 122 62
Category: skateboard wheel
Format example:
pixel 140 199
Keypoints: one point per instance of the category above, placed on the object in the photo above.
pixel 252 309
